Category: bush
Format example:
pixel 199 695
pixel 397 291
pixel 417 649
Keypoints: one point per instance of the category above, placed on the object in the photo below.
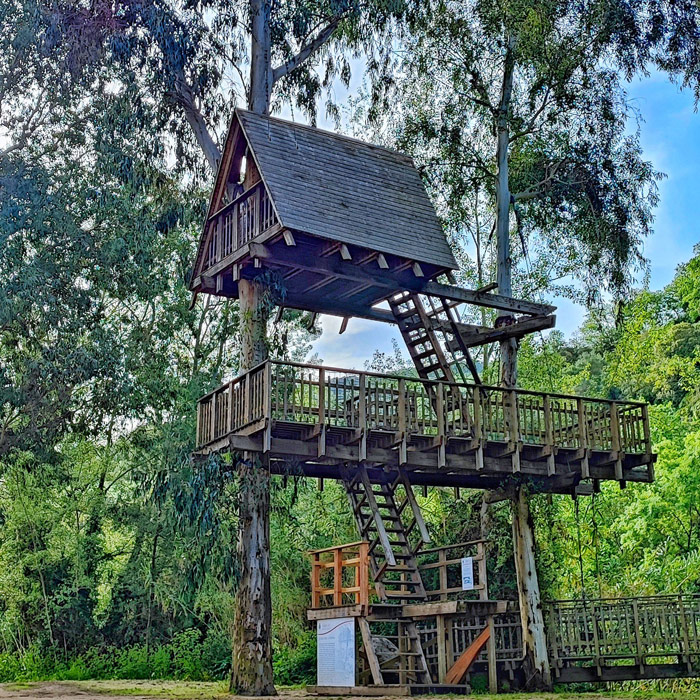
pixel 188 656
pixel 296 666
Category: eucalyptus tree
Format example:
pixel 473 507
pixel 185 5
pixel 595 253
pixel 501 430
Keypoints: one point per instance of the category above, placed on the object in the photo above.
pixel 523 103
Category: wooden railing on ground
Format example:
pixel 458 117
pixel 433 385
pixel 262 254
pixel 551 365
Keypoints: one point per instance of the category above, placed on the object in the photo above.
pixel 340 576
pixel 607 632
pixel 238 223
pixel 314 395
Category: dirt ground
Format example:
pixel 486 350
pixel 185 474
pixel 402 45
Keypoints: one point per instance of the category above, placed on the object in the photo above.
pixel 176 690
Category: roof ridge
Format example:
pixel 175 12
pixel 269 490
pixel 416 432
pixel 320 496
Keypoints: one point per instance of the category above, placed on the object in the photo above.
pixel 326 132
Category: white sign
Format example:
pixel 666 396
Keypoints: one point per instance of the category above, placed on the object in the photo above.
pixel 335 663
pixel 467 574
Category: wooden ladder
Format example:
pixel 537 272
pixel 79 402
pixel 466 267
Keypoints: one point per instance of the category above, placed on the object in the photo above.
pixel 394 651
pixel 419 326
pixel 381 513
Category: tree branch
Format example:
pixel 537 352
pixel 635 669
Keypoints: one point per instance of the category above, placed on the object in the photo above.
pixel 183 96
pixel 306 51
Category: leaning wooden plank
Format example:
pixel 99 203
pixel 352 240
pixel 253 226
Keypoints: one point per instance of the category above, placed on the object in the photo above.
pixel 425 535
pixel 461 666
pixel 369 651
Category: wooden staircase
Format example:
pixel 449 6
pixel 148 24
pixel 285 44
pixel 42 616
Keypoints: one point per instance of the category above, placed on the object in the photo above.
pixel 389 518
pixel 421 327
pixel 394 528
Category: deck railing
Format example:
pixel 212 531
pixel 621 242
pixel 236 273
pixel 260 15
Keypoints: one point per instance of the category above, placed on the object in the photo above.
pixel 238 223
pixel 607 631
pixel 310 394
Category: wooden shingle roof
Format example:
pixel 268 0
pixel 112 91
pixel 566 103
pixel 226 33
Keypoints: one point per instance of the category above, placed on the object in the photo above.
pixel 342 189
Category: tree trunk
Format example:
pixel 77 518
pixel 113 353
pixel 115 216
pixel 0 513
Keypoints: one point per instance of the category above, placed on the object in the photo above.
pixel 251 672
pixel 536 661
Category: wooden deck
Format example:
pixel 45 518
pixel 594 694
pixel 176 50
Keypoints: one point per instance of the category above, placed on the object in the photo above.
pixel 311 419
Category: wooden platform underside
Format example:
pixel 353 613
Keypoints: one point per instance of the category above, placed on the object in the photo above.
pixel 293 452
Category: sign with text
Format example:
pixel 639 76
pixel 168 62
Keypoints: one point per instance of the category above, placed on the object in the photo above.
pixel 335 663
pixel 467 573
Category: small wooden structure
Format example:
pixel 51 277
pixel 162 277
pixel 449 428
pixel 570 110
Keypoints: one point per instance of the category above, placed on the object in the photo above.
pixel 410 646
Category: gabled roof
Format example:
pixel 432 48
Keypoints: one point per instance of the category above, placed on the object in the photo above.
pixel 342 189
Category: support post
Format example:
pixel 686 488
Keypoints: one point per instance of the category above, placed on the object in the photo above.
pixel 251 672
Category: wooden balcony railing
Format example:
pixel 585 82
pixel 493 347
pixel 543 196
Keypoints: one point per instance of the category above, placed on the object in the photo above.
pixel 314 395
pixel 340 576
pixel 238 223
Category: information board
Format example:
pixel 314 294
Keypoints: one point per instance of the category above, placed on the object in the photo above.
pixel 467 574
pixel 336 652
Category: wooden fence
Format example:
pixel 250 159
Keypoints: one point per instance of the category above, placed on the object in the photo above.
pixel 622 630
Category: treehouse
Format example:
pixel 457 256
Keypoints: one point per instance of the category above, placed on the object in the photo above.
pixel 342 227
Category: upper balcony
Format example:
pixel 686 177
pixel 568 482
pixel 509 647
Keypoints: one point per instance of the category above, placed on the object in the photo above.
pixel 316 419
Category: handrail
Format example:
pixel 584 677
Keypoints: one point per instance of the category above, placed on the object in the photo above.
pixel 489 387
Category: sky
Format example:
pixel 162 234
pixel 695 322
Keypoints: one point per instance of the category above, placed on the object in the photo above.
pixel 670 137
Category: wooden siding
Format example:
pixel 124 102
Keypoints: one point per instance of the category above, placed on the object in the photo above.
pixel 346 190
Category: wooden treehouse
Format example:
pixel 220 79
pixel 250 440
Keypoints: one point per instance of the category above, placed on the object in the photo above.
pixel 342 227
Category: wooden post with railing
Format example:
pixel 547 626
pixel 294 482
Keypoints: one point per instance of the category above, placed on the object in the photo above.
pixel 582 438
pixel 616 445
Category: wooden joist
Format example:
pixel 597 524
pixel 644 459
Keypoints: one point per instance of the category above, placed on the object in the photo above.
pixel 473 336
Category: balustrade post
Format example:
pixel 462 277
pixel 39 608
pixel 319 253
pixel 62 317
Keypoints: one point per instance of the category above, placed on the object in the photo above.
pixel 212 417
pixel 245 379
pixel 267 407
pixel 403 451
pixel 338 576
pixel 615 440
pixel 363 577
pixel 639 656
pixel 685 641
pixel 582 438
pixel 198 438
pixel 362 418
pixel 548 434
pixel 440 413
pixel 478 428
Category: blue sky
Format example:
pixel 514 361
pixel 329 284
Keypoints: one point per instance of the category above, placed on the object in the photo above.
pixel 670 135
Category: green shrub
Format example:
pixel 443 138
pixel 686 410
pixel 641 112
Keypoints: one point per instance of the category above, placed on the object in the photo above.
pixel 296 666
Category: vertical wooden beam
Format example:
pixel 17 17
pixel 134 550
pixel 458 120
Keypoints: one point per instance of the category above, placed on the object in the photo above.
pixel 321 412
pixel 484 595
pixel 362 420
pixel 478 428
pixel 267 435
pixel 440 415
pixel 582 438
pixel 403 449
pixel 615 440
pixel 337 576
pixel 441 647
pixel 549 434
pixel 363 576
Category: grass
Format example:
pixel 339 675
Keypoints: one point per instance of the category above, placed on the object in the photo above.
pixel 201 690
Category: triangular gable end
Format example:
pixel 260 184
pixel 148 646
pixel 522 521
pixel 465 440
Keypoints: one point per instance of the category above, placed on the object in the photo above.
pixel 236 147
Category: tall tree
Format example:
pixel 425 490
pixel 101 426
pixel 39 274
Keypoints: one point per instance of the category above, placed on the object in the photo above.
pixel 523 100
